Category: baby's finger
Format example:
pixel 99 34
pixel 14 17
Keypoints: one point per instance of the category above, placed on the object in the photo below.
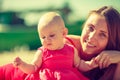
pixel 15 64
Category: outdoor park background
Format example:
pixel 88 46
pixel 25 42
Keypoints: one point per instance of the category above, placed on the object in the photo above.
pixel 19 18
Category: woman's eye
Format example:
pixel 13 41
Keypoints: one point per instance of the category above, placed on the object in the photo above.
pixel 102 35
pixel 91 29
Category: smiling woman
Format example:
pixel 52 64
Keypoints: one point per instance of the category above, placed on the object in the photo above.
pixel 95 35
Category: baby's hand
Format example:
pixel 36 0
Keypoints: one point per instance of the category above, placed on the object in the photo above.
pixel 92 63
pixel 17 62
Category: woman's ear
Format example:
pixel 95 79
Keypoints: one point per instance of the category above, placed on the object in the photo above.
pixel 65 32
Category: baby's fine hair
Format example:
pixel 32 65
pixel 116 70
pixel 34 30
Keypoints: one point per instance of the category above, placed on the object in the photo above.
pixel 51 18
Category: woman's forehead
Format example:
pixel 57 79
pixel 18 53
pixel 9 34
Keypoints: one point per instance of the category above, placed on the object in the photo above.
pixel 97 21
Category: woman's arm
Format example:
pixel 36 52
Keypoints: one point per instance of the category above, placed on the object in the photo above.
pixel 117 72
pixel 83 65
pixel 105 58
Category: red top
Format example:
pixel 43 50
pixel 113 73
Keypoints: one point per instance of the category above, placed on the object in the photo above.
pixel 58 65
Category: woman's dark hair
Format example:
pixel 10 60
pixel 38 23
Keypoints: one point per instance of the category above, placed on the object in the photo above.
pixel 112 17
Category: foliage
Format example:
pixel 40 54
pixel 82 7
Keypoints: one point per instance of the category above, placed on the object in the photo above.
pixel 11 39
pixel 28 36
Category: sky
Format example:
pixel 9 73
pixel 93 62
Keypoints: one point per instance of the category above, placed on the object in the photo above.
pixel 80 8
pixel 37 4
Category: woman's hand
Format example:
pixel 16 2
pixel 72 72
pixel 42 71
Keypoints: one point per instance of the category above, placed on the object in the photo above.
pixel 105 58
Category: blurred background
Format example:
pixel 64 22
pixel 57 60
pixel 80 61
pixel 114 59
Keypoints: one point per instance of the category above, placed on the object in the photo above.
pixel 19 19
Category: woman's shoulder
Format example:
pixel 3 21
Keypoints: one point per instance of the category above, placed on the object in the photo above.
pixel 74 40
pixel 73 36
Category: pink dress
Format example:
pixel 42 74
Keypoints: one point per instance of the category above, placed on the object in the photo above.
pixel 57 65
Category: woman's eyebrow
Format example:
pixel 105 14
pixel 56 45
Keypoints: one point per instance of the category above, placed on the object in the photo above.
pixel 91 25
pixel 104 32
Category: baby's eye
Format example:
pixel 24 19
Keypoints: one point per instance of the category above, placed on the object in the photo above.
pixel 52 35
pixel 43 37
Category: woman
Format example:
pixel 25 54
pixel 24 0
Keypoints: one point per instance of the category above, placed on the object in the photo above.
pixel 100 35
pixel 100 40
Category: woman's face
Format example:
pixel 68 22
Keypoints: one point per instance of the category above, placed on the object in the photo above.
pixel 94 36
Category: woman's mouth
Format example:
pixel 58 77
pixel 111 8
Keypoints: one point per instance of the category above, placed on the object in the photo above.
pixel 89 44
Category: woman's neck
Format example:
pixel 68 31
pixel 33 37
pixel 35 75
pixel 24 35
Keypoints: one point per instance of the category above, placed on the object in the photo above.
pixel 86 56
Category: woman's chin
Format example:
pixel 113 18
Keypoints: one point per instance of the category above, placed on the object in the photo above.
pixel 89 52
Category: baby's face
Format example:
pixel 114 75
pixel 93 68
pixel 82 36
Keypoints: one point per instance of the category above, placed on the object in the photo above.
pixel 51 37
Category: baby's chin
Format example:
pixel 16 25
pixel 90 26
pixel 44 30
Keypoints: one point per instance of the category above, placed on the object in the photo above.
pixel 51 48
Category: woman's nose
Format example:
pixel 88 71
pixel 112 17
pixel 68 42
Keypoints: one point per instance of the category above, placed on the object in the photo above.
pixel 92 36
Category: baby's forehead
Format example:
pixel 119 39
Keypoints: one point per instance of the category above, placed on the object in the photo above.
pixel 49 30
pixel 48 25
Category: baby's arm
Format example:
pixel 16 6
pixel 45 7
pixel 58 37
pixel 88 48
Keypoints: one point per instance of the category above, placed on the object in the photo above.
pixel 29 68
pixel 83 65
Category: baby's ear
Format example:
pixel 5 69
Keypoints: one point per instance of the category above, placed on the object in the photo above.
pixel 65 31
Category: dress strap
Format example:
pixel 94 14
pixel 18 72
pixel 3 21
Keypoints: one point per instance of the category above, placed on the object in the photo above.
pixel 70 41
pixel 41 48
